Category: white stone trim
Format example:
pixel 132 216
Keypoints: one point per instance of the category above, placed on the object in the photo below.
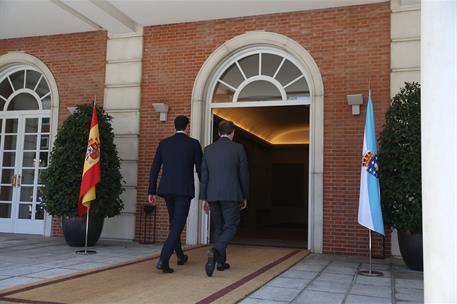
pixel 138 33
pixel 412 69
pixel 123 73
pixel 405 30
pixel 123 85
pixel 196 221
pixel 124 68
pixel 13 58
pixel 405 54
pixel 405 6
pixel 127 147
pixel 124 60
pixel 415 38
pixel 122 98
pixel 404 46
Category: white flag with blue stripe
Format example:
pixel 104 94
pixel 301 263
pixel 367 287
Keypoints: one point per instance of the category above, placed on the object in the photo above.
pixel 370 214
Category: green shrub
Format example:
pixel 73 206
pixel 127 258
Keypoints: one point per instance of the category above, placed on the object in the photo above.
pixel 62 179
pixel 400 161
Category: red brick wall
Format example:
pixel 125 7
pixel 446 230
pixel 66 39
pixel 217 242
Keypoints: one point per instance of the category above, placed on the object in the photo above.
pixel 77 62
pixel 351 46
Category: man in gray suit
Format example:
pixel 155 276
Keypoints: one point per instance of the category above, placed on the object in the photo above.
pixel 224 188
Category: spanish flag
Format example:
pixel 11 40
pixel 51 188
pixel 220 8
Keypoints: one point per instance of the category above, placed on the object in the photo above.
pixel 91 172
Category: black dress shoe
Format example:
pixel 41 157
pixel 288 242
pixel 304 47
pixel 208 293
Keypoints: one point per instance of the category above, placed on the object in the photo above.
pixel 222 267
pixel 211 264
pixel 163 267
pixel 183 260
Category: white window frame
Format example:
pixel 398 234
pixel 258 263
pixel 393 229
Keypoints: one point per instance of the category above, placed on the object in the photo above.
pixel 31 62
pixel 8 72
pixel 234 60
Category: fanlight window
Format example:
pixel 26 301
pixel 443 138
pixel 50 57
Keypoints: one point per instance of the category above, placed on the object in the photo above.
pixel 261 76
pixel 24 89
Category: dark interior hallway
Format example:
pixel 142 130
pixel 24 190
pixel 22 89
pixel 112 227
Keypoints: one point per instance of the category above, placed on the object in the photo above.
pixel 277 213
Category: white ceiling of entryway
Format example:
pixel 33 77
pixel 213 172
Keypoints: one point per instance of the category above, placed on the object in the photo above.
pixel 276 125
pixel 25 18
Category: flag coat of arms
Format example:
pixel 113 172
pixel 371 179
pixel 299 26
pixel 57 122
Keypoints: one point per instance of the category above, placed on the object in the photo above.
pixel 91 172
pixel 370 214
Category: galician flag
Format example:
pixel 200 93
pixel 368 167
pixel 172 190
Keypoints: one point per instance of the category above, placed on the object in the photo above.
pixel 370 214
pixel 91 171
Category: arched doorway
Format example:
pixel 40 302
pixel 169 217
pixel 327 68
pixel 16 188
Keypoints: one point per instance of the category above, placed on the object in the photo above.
pixel 233 76
pixel 26 130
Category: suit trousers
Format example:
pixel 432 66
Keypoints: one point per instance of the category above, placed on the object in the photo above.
pixel 226 218
pixel 178 209
pixel 171 205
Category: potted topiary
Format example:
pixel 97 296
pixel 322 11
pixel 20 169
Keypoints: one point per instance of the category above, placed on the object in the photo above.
pixel 400 173
pixel 62 179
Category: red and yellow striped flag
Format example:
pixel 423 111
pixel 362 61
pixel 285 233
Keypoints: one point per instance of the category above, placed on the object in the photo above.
pixel 91 172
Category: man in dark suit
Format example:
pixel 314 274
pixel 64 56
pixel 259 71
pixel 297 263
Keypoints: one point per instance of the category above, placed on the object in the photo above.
pixel 177 155
pixel 224 187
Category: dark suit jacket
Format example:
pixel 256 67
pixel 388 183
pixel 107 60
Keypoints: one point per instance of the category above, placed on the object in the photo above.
pixel 225 175
pixel 178 154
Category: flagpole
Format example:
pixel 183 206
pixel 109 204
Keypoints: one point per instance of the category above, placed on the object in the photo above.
pixel 87 232
pixel 370 214
pixel 85 251
pixel 369 247
pixel 370 272
pixel 91 175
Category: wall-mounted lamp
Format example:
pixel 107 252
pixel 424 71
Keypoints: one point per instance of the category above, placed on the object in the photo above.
pixel 355 101
pixel 162 108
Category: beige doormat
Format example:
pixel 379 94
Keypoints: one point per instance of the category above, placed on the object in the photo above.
pixel 140 282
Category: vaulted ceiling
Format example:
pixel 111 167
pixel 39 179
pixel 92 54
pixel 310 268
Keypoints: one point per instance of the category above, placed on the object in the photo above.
pixel 275 125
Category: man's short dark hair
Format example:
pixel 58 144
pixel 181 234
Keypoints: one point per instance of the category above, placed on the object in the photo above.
pixel 181 122
pixel 225 127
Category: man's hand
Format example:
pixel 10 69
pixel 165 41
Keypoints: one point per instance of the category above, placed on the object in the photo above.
pixel 205 206
pixel 244 204
pixel 152 200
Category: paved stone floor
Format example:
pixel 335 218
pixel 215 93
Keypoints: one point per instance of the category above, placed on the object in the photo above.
pixel 331 279
pixel 28 258
pixel 316 279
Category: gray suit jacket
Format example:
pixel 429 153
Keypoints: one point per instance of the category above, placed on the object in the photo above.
pixel 225 175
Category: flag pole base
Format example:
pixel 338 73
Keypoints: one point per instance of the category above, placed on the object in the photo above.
pixel 85 252
pixel 370 273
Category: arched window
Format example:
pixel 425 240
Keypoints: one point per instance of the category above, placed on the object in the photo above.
pixel 24 88
pixel 25 133
pixel 260 75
